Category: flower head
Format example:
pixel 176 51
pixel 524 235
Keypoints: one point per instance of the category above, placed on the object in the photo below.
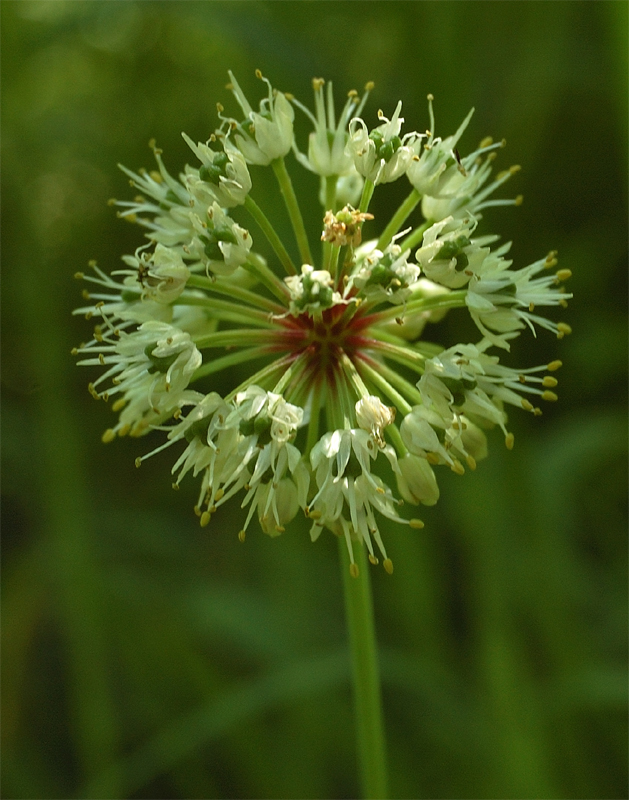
pixel 348 412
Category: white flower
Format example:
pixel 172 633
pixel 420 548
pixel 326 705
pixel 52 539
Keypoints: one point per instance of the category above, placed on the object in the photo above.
pixel 502 301
pixel 341 461
pixel 263 137
pixel 386 275
pixel 416 480
pixel 311 291
pixel 380 155
pixel 224 174
pixel 220 244
pixel 150 368
pixel 326 144
pixel 373 416
pixel 161 276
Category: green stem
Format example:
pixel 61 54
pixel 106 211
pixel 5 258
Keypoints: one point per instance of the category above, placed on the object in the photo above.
pixel 366 677
pixel 383 384
pixel 269 231
pixel 218 364
pixel 454 299
pixel 398 219
pixel 415 237
pixel 398 381
pixel 294 212
pixel 313 423
pixel 223 309
pixel 261 375
pixel 330 192
pixel 257 267
pixel 366 196
pixel 234 291
pixel 236 338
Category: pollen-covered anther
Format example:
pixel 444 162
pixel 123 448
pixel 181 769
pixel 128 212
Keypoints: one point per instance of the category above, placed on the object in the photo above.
pixel 388 565
pixel 109 435
pixel 471 462
pixel 372 559
pixel 563 329
pixel 509 441
pixel 563 274
pixel 205 519
pixel 457 467
pixel 549 382
pixel 526 405
pixel 344 227
pixel 353 570
pixel 554 365
pixel 242 535
pixel 549 396
pixel 138 462
pixel 416 524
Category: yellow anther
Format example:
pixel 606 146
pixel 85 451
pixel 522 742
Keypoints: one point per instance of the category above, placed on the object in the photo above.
pixel 563 274
pixel 353 570
pixel 471 462
pixel 531 307
pixel 101 359
pixel 514 168
pixel 219 495
pixel 457 467
pixel 109 435
pixel 380 490
pixel 138 462
pixel 563 303
pixel 317 83
pixel 242 536
pixel 105 396
pixel 549 382
pixel 509 441
pixel 519 200
pixel 219 106
pixel 537 412
pixel 554 365
pixel 432 458
pixel 526 405
pixel 416 524
pixel 205 519
pixel 74 351
pixel 563 329
pixel 120 403
pixel 549 396
pixel 258 74
pixel 372 559
pixel 85 294
pixel 89 315
pixel 352 93
pixel 79 275
pixel 522 378
pixel 197 511
pixel 388 565
pixel 369 86
pixel 485 142
pixel 313 514
pixel 280 528
pixel 175 486
pixel 430 97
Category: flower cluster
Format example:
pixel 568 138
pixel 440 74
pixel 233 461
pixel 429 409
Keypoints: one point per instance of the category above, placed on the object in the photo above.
pixel 347 412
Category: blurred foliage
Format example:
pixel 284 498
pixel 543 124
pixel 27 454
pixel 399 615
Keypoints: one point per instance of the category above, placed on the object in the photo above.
pixel 145 657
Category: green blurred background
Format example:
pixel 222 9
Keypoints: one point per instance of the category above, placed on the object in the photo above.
pixel 146 657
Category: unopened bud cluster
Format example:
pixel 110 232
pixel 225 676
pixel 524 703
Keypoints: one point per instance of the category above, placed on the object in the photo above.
pixel 347 412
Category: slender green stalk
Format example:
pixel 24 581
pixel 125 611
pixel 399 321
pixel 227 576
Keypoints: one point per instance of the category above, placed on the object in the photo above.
pixel 234 291
pixel 395 379
pixel 455 299
pixel 257 267
pixel 294 212
pixel 313 423
pixel 330 192
pixel 261 376
pixel 366 196
pixel 414 238
pixel 383 384
pixel 235 338
pixel 239 357
pixel 366 676
pixel 398 219
pixel 269 231
pixel 223 309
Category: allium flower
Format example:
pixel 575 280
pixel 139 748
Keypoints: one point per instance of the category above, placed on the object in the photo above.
pixel 347 413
